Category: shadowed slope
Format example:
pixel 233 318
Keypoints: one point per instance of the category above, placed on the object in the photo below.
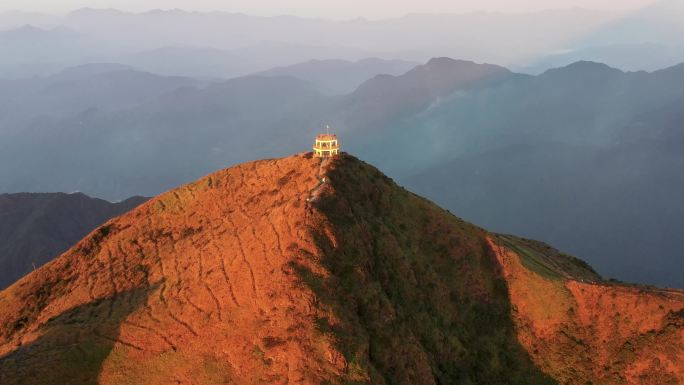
pixel 36 227
pixel 416 295
pixel 73 345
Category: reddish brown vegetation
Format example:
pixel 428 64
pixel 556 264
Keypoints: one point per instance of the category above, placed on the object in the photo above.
pixel 202 276
pixel 242 278
pixel 596 333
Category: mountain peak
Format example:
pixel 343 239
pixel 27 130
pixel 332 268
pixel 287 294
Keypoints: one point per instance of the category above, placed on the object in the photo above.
pixel 444 61
pixel 447 63
pixel 25 31
pixel 28 28
pixel 320 271
pixel 386 97
pixel 585 67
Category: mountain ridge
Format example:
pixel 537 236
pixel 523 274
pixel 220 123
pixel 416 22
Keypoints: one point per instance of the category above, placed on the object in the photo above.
pixel 341 76
pixel 629 124
pixel 298 268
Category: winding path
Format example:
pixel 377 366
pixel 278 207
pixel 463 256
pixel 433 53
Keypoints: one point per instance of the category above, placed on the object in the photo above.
pixel 313 193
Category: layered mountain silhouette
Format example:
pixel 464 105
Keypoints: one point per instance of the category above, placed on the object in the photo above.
pixel 299 270
pixel 102 87
pixel 35 228
pixel 201 61
pixel 385 98
pixel 341 76
pixel 192 129
pixel 172 42
pixel 538 156
pixel 584 141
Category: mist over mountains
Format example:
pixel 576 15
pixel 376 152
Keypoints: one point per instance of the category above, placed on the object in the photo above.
pixel 580 154
pixel 341 76
pixel 102 86
pixel 584 156
pixel 171 42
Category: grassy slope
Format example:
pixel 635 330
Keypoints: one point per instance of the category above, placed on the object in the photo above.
pixel 583 330
pixel 406 292
pixel 549 262
pixel 416 294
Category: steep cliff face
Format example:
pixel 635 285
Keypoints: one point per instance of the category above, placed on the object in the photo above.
pixel 302 271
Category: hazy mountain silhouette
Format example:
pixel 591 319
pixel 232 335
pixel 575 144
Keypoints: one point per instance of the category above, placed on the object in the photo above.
pixel 648 39
pixel 585 141
pixel 369 116
pixel 418 126
pixel 191 130
pixel 35 228
pixel 228 63
pixel 162 142
pixel 259 43
pixel 659 22
pixel 169 41
pixel 107 87
pixel 14 19
pixel 341 76
pixel 626 56
pixel 29 50
pixel 188 61
pixel 500 34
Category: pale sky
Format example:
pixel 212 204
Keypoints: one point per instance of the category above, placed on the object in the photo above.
pixel 337 9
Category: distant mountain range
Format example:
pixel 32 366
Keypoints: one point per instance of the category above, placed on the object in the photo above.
pixel 341 76
pixel 101 87
pixel 35 228
pixel 585 157
pixel 207 62
pixel 28 51
pixel 578 142
pixel 221 44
